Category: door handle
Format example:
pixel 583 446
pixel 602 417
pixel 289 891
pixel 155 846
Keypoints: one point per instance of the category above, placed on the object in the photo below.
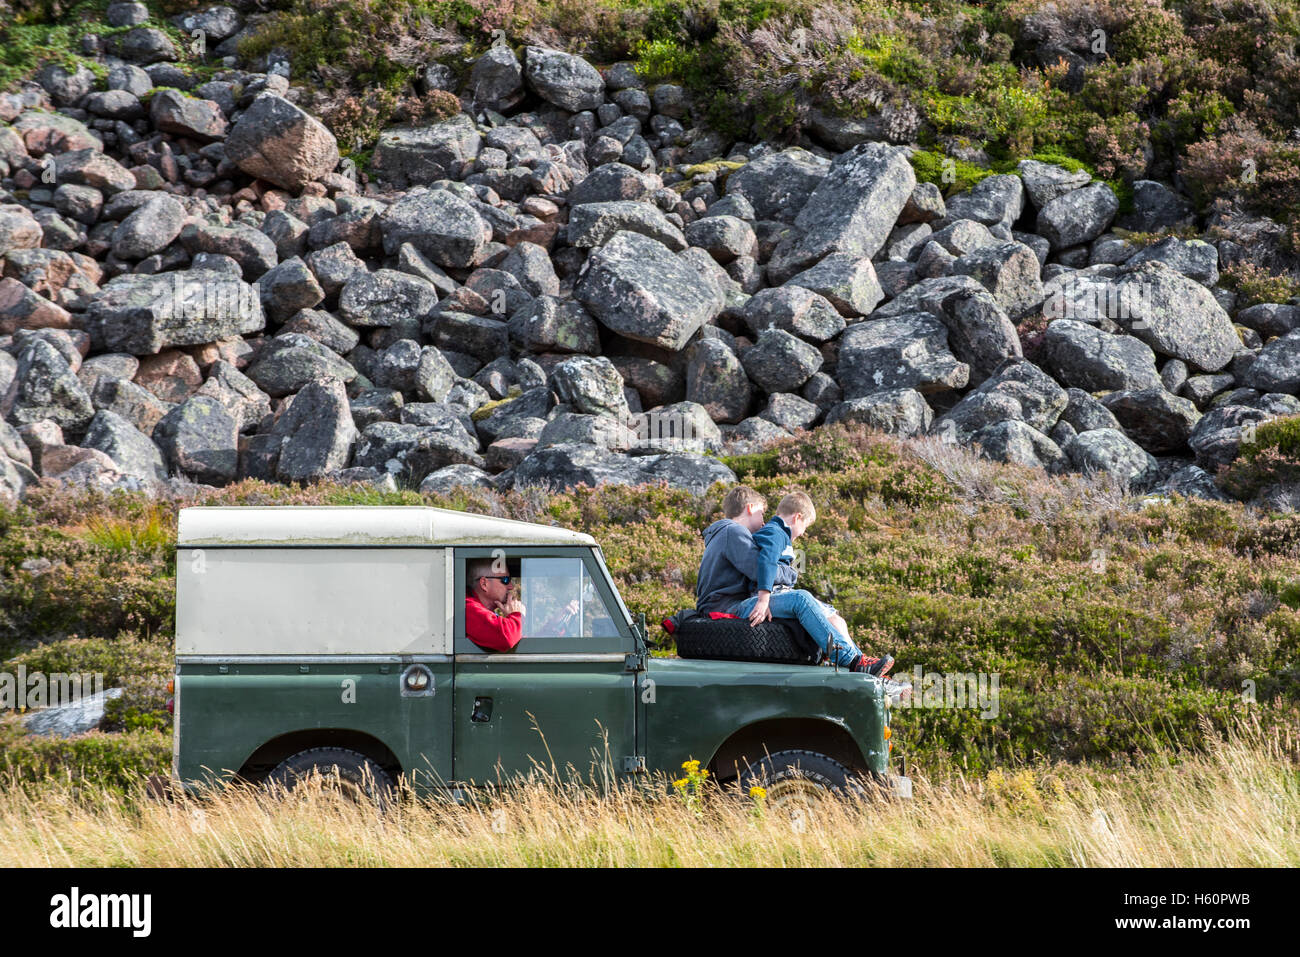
pixel 482 710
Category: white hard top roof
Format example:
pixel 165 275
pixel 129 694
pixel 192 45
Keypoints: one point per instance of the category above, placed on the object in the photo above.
pixel 373 525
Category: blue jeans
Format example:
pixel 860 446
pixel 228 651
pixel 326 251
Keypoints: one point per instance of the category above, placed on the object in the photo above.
pixel 814 615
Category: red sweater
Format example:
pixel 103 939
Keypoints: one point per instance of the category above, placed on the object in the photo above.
pixel 489 630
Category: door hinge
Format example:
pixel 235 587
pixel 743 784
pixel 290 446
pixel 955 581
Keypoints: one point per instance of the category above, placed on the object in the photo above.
pixel 634 662
pixel 632 764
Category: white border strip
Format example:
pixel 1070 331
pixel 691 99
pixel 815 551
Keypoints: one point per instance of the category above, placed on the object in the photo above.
pixel 312 659
pixel 611 656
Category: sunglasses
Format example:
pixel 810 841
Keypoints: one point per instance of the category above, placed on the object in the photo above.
pixel 503 579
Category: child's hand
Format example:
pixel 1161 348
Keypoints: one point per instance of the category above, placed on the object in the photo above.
pixel 760 613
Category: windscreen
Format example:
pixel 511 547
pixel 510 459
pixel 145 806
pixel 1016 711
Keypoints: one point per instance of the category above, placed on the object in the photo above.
pixel 562 600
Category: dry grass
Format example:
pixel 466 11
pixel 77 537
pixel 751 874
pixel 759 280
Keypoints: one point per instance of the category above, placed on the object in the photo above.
pixel 977 480
pixel 1237 805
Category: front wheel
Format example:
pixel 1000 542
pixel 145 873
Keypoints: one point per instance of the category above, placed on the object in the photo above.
pixel 341 770
pixel 799 778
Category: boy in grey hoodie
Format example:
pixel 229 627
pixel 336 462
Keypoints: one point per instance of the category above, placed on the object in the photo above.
pixel 729 569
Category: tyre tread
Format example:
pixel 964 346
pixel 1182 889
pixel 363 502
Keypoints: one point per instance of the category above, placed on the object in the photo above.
pixel 301 764
pixel 763 769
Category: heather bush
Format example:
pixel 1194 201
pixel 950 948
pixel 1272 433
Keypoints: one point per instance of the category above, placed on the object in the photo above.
pixel 112 761
pixel 118 659
pixel 1270 459
pixel 1217 165
pixel 58 582
pixel 1255 284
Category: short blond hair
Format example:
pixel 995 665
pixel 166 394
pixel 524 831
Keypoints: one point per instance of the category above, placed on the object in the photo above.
pixel 797 502
pixel 734 502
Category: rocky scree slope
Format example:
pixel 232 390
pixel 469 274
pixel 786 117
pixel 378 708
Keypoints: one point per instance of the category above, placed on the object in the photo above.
pixel 569 281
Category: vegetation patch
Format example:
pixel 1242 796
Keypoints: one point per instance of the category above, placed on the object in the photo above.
pixel 951 563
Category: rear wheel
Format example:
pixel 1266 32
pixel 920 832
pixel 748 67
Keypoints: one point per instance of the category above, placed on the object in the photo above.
pixel 348 773
pixel 796 779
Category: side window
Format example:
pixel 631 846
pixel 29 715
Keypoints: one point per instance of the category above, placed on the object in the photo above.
pixel 562 601
pixel 563 605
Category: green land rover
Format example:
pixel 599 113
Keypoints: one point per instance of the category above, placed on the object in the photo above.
pixel 333 638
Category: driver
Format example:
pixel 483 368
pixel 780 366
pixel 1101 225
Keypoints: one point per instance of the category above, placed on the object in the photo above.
pixel 494 616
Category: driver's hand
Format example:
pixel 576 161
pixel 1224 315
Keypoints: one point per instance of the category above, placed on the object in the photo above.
pixel 510 606
pixel 760 613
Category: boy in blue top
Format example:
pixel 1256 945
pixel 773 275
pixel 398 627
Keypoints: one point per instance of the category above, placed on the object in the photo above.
pixel 775 542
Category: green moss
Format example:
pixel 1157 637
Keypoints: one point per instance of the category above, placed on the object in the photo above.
pixel 949 174
pixel 1144 239
pixel 1062 160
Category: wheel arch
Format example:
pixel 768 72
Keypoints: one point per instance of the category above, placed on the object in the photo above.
pixel 755 741
pixel 265 758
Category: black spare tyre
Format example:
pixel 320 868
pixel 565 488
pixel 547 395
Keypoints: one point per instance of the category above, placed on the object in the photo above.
pixel 781 641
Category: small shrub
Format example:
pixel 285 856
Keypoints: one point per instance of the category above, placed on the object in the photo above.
pixel 832 449
pixel 665 59
pixel 751 465
pixel 139 668
pixel 1032 332
pixel 95 598
pixel 913 487
pixel 1118 145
